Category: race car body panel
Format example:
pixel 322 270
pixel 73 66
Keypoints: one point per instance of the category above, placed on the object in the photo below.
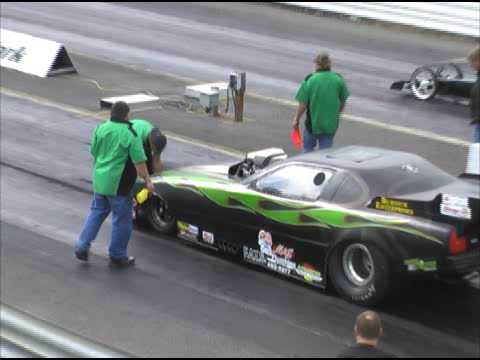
pixel 290 216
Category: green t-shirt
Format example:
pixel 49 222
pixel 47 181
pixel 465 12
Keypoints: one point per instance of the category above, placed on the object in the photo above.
pixel 113 143
pixel 142 128
pixel 324 92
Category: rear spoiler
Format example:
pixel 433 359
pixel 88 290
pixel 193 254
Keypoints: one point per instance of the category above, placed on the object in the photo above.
pixel 444 208
pixel 447 208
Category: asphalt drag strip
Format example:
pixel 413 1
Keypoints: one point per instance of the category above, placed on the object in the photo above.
pixel 178 300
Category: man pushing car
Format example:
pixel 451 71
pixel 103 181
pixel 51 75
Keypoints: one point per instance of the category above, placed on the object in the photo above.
pixel 118 151
pixel 154 142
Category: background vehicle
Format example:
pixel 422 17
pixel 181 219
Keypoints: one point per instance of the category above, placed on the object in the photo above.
pixel 357 218
pixel 444 79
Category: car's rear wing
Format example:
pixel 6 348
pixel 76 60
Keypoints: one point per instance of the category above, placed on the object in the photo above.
pixel 444 208
pixel 448 206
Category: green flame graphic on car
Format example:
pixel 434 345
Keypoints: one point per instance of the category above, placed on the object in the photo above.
pixel 229 194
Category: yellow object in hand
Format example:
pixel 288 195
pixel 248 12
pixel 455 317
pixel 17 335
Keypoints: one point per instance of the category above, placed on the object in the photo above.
pixel 142 196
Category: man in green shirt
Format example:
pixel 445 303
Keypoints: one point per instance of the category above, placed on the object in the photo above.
pixel 118 156
pixel 322 95
pixel 154 142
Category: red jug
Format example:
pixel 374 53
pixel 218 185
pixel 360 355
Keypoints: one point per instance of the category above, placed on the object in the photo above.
pixel 297 139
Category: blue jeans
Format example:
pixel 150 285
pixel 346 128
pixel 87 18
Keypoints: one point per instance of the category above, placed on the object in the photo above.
pixel 121 208
pixel 476 134
pixel 324 141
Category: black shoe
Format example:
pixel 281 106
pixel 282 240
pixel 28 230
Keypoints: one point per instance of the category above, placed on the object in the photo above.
pixel 82 255
pixel 122 263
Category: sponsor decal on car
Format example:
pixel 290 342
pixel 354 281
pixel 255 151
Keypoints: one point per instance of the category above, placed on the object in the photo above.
pixel 455 206
pixel 399 207
pixel 421 265
pixel 277 258
pixel 187 231
pixel 208 237
pixel 253 256
pixel 308 273
pixel 265 242
pixel 279 268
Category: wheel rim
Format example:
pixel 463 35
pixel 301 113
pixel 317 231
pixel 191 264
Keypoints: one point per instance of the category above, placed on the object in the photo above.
pixel 423 86
pixel 358 264
pixel 160 214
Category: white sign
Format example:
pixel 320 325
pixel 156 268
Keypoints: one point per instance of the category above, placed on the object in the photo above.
pixel 194 91
pixel 129 99
pixel 33 55
pixel 455 206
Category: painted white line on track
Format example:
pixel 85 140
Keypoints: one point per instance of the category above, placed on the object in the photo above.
pixel 376 123
pixel 353 118
pixel 102 114
pixel 101 250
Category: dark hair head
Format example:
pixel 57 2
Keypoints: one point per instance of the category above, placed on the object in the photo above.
pixel 119 111
pixel 368 325
pixel 159 141
pixel 323 62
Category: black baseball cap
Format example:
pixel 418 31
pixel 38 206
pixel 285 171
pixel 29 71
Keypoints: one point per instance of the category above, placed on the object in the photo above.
pixel 119 111
pixel 158 140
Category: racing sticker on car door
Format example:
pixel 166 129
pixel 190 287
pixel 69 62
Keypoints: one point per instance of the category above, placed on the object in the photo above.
pixel 279 258
pixel 188 231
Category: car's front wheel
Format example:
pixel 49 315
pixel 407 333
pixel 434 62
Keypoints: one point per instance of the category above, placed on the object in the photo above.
pixel 359 272
pixel 158 216
pixel 424 83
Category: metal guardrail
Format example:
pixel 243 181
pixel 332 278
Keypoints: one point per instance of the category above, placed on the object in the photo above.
pixel 461 18
pixel 22 334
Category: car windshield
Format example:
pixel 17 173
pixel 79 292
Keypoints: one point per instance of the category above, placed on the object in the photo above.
pixel 296 182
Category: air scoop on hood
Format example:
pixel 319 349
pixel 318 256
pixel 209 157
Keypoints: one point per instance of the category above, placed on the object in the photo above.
pixel 256 160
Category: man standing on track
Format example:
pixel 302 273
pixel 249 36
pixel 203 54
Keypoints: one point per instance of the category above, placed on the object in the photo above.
pixel 322 95
pixel 118 157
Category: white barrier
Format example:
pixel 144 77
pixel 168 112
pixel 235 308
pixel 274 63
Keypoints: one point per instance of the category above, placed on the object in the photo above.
pixel 33 55
pixel 461 18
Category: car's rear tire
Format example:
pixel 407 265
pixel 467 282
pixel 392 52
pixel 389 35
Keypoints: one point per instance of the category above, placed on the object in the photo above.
pixel 424 83
pixel 158 216
pixel 359 272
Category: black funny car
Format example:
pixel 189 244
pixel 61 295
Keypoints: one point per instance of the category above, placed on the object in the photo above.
pixel 356 218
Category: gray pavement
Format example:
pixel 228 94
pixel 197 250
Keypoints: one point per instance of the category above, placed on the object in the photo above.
pixel 268 124
pixel 275 46
pixel 179 300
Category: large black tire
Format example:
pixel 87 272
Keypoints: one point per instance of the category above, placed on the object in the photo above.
pixel 360 273
pixel 158 217
pixel 424 83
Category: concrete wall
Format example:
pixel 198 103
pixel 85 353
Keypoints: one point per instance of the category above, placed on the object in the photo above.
pixel 454 17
